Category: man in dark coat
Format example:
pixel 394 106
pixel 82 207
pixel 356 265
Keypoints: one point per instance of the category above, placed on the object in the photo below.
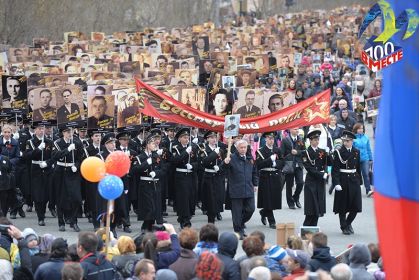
pixel 227 246
pixel 213 181
pixel 292 149
pixel 184 159
pixel 315 162
pixel 6 183
pixel 346 178
pixel 242 178
pixel 269 163
pixel 147 171
pixel 95 265
pixel 68 153
pixel 168 142
pixel 39 153
pixel 68 112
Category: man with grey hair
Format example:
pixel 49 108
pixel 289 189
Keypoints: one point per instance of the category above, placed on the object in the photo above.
pixel 341 271
pixel 242 178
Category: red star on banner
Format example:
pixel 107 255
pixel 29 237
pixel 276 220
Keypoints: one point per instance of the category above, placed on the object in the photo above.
pixel 318 109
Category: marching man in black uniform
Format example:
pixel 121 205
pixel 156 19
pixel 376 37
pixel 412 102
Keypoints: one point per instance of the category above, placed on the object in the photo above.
pixel 269 163
pixel 92 193
pixel 147 170
pixel 213 184
pixel 315 162
pixel 185 161
pixel 346 178
pixel 39 153
pixel 68 153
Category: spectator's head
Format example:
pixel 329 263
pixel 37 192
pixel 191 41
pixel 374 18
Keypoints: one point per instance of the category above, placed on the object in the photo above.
pixel 358 129
pixel 126 245
pixel 30 237
pixel 72 253
pixel 333 120
pixel 209 267
pixel 87 243
pixel 144 270
pixel 360 255
pixel 227 244
pixel 150 244
pixel 188 238
pixel 59 248
pixel 342 104
pixel 139 243
pixel 277 253
pixel 344 113
pixel 260 273
pixel 253 246
pixel 166 274
pixel 375 252
pixel 297 259
pixel 341 271
pixel 295 242
pixel 319 240
pixel 241 146
pixel 72 271
pixel 208 233
pixel 46 243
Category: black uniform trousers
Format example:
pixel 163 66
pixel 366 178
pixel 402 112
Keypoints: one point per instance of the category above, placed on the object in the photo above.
pixel 289 181
pixel 311 220
pixel 346 221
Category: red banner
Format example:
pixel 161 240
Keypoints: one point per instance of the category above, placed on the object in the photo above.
pixel 156 104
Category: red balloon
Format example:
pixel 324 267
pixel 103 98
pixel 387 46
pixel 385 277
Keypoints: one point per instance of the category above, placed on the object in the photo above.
pixel 118 164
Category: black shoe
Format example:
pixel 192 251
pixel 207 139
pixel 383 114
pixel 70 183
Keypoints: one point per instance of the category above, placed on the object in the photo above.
pixel 331 188
pixel 298 204
pixel 90 220
pixel 292 207
pixel 61 228
pixel 262 217
pixel 13 216
pixel 219 217
pixel 272 226
pixel 345 231
pixel 114 233
pixel 29 209
pixel 204 212
pixel 53 213
pixel 240 234
pixel 21 213
pixel 165 214
pixel 127 229
pixel 350 229
pixel 170 203
pixel 41 223
pixel 75 227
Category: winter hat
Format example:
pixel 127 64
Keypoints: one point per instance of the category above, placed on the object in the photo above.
pixel 276 253
pixel 260 273
pixel 46 242
pixel 162 235
pixel 166 274
pixel 299 256
pixel 29 234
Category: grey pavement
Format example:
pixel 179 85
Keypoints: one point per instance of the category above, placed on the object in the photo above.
pixel 364 225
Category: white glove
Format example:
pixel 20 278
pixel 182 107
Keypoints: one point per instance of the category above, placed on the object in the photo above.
pixel 41 146
pixel 160 152
pixel 338 188
pixel 195 140
pixel 325 175
pixel 16 136
pixel 152 174
pixel 71 147
pixel 188 166
pixel 74 169
pixel 327 149
pixel 126 191
pixel 273 157
pixel 217 150
pixel 189 149
pixel 216 168
pixel 43 164
pixel 149 161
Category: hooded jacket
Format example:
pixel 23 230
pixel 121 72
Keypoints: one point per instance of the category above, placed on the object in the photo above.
pixel 50 270
pixel 362 143
pixel 97 267
pixel 227 246
pixel 321 259
pixel 359 258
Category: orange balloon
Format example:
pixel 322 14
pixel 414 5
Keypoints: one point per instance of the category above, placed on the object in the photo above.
pixel 118 163
pixel 93 169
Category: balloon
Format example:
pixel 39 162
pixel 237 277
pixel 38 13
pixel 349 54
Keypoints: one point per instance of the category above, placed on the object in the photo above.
pixel 118 163
pixel 111 187
pixel 93 169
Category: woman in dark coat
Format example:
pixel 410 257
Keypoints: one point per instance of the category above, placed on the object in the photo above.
pixel 51 270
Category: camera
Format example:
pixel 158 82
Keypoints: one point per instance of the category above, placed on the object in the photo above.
pixel 4 229
pixel 158 228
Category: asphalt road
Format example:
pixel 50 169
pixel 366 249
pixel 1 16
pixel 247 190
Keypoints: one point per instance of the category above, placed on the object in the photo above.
pixel 364 225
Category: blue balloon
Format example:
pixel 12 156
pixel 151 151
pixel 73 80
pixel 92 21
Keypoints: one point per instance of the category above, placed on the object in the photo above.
pixel 111 187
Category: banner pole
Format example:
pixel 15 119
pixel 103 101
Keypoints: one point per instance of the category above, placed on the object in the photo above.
pixel 108 225
pixel 230 142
